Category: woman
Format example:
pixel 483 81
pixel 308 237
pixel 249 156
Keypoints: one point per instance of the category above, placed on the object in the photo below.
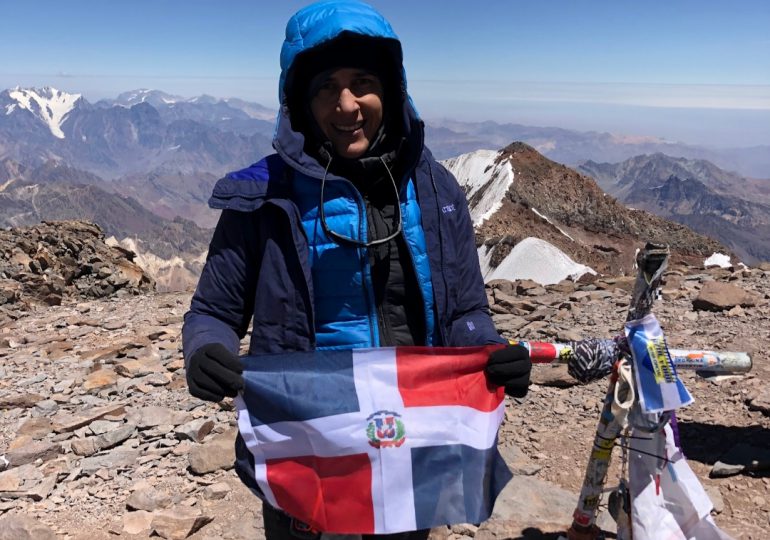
pixel 350 235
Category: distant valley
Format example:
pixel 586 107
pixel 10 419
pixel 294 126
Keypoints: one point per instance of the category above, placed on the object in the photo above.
pixel 170 249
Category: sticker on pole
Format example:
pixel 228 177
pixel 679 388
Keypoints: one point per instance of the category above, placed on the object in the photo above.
pixel 657 382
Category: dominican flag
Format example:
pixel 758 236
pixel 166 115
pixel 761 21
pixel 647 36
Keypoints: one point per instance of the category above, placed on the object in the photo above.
pixel 375 441
pixel 656 379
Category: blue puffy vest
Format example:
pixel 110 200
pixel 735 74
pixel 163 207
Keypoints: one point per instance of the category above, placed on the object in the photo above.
pixel 345 312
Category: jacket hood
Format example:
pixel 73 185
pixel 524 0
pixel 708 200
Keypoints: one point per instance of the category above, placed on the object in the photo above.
pixel 322 22
pixel 318 28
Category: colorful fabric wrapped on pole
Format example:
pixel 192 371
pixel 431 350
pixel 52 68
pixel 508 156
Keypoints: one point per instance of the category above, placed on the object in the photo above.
pixel 592 359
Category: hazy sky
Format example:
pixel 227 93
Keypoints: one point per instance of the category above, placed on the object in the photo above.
pixel 697 71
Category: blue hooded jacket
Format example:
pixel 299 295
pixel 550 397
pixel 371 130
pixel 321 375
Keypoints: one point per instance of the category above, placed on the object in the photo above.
pixel 259 264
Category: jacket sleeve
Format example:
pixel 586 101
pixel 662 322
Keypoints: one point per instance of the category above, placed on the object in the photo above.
pixel 223 302
pixel 470 322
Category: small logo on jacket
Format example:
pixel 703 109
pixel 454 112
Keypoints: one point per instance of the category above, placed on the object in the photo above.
pixel 448 208
pixel 385 430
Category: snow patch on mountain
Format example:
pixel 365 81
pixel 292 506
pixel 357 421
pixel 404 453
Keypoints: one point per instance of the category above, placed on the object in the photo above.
pixel 137 96
pixel 718 259
pixel 533 259
pixel 49 104
pixel 145 95
pixel 480 172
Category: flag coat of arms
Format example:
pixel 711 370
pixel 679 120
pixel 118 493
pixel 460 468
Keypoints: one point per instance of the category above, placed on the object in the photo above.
pixel 375 441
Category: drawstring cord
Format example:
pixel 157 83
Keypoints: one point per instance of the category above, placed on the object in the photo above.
pixel 339 238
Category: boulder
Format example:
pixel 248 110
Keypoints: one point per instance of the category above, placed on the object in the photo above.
pixel 528 502
pixel 719 296
pixel 148 499
pixel 178 523
pixel 32 451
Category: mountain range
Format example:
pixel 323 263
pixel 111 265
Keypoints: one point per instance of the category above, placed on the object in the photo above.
pixel 696 193
pixel 448 138
pixel 140 132
pixel 142 165
pixel 170 249
pixel 144 130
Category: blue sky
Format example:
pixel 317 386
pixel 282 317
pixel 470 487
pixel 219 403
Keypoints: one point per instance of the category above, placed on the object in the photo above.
pixel 697 71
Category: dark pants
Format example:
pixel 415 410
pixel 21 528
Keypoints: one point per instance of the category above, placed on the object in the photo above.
pixel 279 526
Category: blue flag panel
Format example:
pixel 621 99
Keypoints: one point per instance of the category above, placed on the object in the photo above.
pixel 299 386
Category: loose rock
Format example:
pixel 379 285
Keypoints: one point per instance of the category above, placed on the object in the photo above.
pixel 213 455
pixel 148 499
pixel 178 523
pixel 24 528
pixel 718 296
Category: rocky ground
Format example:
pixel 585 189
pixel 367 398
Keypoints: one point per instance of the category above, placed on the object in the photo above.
pixel 100 439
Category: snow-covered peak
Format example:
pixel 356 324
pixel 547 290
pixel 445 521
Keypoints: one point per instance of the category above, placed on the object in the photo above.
pixel 145 95
pixel 534 259
pixel 484 178
pixel 204 99
pixel 49 104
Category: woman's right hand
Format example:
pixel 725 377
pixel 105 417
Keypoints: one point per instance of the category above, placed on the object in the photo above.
pixel 213 372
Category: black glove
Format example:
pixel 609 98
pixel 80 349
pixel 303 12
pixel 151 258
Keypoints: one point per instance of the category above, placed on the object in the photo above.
pixel 510 367
pixel 214 372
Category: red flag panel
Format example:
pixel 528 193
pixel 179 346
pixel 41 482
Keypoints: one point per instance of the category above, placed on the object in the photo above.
pixel 442 376
pixel 322 490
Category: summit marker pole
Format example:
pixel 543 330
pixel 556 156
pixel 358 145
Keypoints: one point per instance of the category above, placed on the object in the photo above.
pixel 651 262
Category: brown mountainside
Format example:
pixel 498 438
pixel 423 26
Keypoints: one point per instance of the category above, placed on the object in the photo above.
pixel 590 226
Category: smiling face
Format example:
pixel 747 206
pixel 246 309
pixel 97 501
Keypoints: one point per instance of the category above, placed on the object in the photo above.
pixel 347 106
